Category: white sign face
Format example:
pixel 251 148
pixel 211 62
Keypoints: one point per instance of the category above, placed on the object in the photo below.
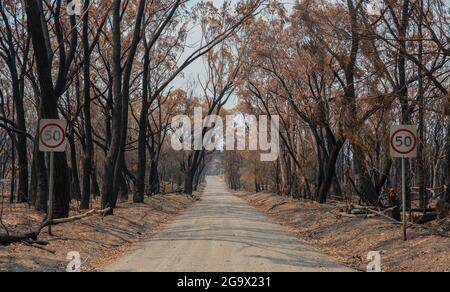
pixel 52 135
pixel 403 141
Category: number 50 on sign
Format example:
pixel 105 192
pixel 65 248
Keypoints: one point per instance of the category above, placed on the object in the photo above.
pixel 403 141
pixel 52 135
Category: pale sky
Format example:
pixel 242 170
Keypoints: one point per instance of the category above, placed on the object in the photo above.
pixel 197 69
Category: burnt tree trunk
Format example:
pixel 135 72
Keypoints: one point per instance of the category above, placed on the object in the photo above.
pixel 108 193
pixel 115 160
pixel 33 184
pixel 95 187
pixel 330 171
pixel 447 180
pixel 124 190
pixel 154 181
pixel 74 173
pixel 402 90
pixel 189 183
pixel 364 185
pixel 48 105
pixel 17 82
pixel 421 169
pixel 88 143
pixel 13 172
pixel 139 193
pixel 22 191
pixel 41 178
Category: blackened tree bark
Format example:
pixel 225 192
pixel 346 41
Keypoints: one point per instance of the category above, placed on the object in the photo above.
pixel 447 180
pixel 48 104
pixel 123 189
pixel 421 169
pixel 13 172
pixel 138 196
pixel 74 173
pixel 120 163
pixel 199 175
pixel 364 184
pixel 154 182
pixel 147 100
pixel 21 145
pixel 114 165
pixel 22 192
pixel 108 196
pixel 443 205
pixel 41 180
pixel 33 184
pixel 95 187
pixel 17 81
pixel 154 149
pixel 402 88
pixel 328 149
pixel 189 182
pixel 330 171
pixel 447 162
pixel 88 144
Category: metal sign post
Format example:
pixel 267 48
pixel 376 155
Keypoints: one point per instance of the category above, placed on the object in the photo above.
pixel 405 237
pixel 50 189
pixel 403 144
pixel 52 138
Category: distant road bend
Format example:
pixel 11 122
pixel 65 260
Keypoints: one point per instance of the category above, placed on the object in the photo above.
pixel 222 233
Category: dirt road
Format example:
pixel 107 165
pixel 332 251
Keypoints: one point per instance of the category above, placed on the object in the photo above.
pixel 222 233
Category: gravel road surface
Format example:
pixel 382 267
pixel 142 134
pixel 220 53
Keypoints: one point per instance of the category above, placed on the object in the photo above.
pixel 222 233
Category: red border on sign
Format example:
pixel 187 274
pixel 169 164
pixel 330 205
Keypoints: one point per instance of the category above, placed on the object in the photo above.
pixel 53 125
pixel 404 152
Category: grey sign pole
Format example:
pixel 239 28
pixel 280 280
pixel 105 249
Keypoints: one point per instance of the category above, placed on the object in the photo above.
pixel 403 144
pixel 52 138
pixel 51 189
pixel 404 198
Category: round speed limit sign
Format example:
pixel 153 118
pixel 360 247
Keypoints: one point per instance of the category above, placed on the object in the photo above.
pixel 403 142
pixel 52 135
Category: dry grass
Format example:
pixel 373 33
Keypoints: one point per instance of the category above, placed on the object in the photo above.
pixel 98 240
pixel 350 239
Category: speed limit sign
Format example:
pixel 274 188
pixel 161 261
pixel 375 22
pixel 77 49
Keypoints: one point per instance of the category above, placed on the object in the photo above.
pixel 403 142
pixel 52 135
pixel 52 138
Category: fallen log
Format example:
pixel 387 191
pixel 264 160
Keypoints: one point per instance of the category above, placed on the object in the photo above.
pixel 426 218
pixel 363 216
pixel 384 216
pixel 360 210
pixel 6 239
pixel 38 246
pixel 10 239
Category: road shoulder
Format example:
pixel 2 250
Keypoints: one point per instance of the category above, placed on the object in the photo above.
pixel 349 240
pixel 97 240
